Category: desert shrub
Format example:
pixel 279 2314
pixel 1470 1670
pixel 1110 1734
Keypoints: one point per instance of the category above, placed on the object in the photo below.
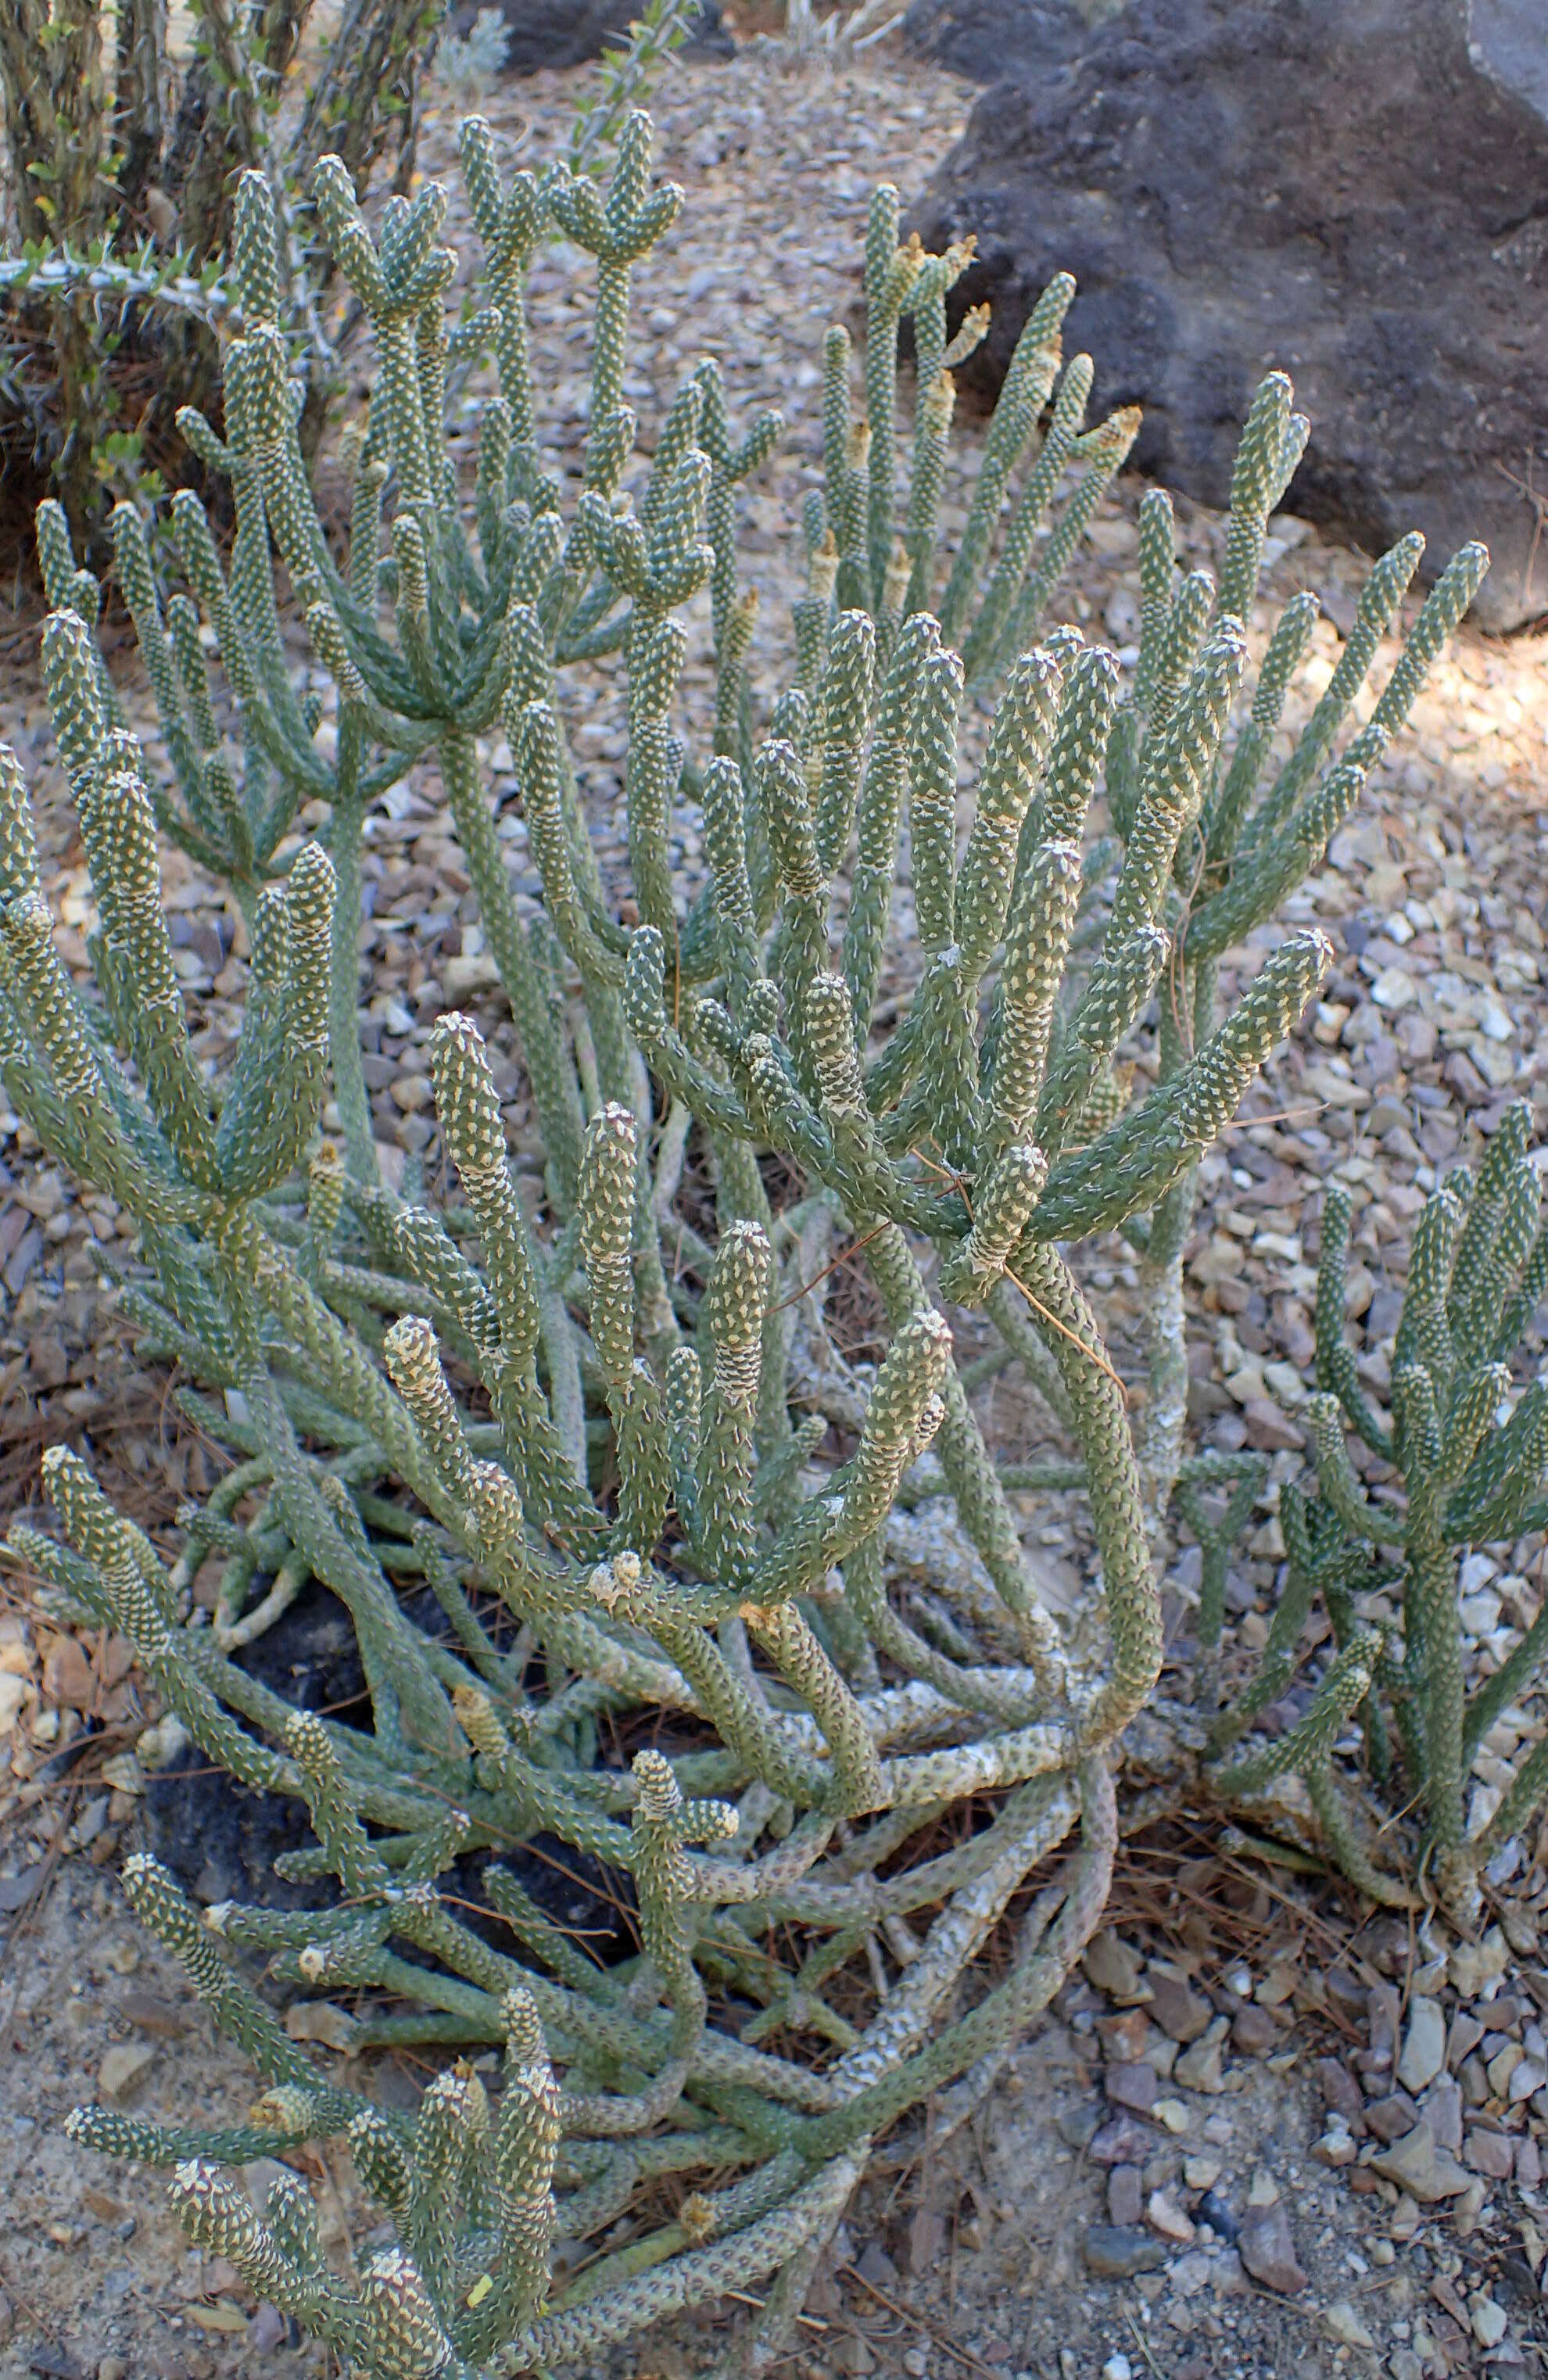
pixel 590 1424
pixel 122 199
pixel 1459 1462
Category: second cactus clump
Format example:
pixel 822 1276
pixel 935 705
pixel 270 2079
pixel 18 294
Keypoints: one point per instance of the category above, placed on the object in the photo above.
pixel 1460 1460
pixel 591 1429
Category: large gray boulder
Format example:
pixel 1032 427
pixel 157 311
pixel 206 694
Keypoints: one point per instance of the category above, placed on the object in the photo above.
pixel 1354 191
pixel 567 32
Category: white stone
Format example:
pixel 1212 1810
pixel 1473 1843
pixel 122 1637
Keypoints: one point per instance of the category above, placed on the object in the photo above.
pixel 1167 2216
pixel 162 1744
pixel 1488 2321
pixel 123 2071
pixel 13 1693
pixel 1346 2326
pixel 1395 989
pixel 1473 1964
pixel 1494 1062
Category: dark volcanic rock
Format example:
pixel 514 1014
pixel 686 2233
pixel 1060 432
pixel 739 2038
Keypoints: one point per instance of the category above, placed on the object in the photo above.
pixel 567 32
pixel 988 39
pixel 1353 190
pixel 221 1839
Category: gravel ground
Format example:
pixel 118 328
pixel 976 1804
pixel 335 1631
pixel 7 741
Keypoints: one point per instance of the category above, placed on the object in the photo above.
pixel 1435 898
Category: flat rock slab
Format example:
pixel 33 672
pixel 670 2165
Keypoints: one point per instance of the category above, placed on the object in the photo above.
pixel 1355 196
pixel 1416 2164
pixel 1266 2247
pixel 1114 2252
pixel 1424 2045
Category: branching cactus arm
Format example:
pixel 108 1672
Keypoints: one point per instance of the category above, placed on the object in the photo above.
pixel 1463 1453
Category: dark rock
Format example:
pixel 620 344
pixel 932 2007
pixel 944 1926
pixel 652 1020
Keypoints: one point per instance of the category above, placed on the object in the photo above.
pixel 1267 2248
pixel 1126 2197
pixel 981 38
pixel 267 2331
pixel 875 2265
pixel 1181 2013
pixel 1416 2165
pixel 1254 2031
pixel 1123 2037
pixel 1121 2141
pixel 1492 2154
pixel 567 32
pixel 1459 1074
pixel 1443 2113
pixel 1386 2011
pixel 149 2014
pixel 1077 2125
pixel 220 1838
pixel 1116 2252
pixel 1213 2209
pixel 1390 2117
pixel 1133 2086
pixel 1346 1991
pixel 1356 195
pixel 1203 2067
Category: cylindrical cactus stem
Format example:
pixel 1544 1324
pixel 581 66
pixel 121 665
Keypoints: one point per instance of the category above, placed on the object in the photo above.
pixel 469 1106
pixel 525 2142
pixel 662 1823
pixel 844 698
pixel 1344 1687
pixel 881 809
pixel 1019 745
pixel 1037 946
pixel 335 1814
pixel 685 1398
pixel 726 848
pixel 606 1210
pixel 1005 1198
pixel 401 2328
pixel 219 2215
pixel 735 1306
pixel 932 750
pixel 830 1038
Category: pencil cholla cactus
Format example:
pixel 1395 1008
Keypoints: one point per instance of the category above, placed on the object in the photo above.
pixel 1469 1450
pixel 536 1414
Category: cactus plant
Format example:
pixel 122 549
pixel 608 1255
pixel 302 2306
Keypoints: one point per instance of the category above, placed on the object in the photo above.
pixel 1459 1462
pixel 588 1456
pixel 123 206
